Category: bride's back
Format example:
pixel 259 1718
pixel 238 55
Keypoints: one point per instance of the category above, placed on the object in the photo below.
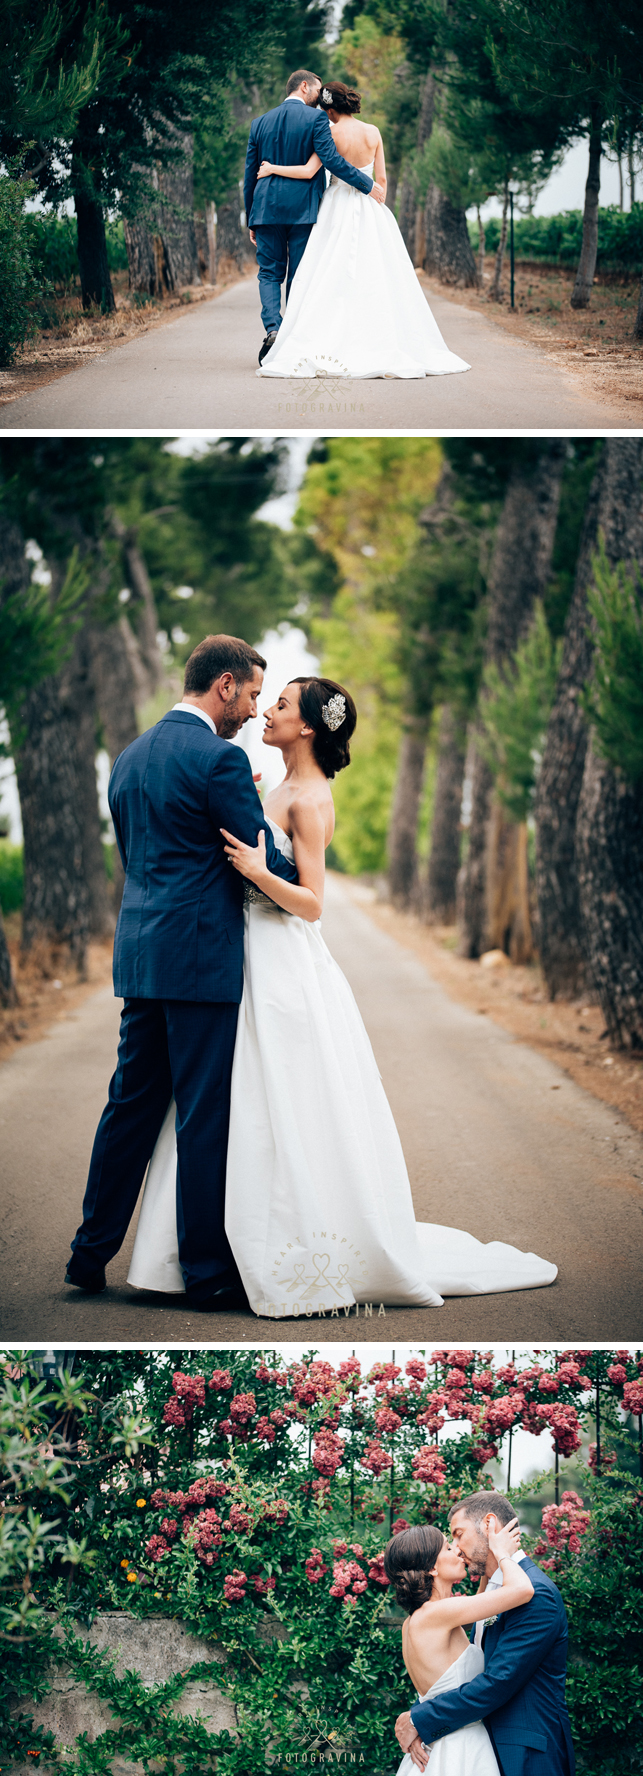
pixel 355 140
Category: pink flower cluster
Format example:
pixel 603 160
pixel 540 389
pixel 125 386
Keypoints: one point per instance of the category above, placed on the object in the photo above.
pixel 328 1451
pixel 191 1392
pixel 261 1585
pixel 430 1466
pixel 242 1408
pixel 240 1520
pixel 376 1573
pixel 564 1525
pixel 502 1413
pixel 386 1421
pixel 315 1566
pixel 220 1379
pixel 416 1369
pixel 234 1586
pixel 607 1461
pixel 313 1382
pixel 376 1459
pixel 264 1430
pixel 206 1537
pixel 564 1426
pixel 275 1512
pixel 633 1396
pixel 349 1579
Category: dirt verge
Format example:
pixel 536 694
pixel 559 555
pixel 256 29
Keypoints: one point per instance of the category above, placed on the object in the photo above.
pixel 48 987
pixel 568 1032
pixel 595 346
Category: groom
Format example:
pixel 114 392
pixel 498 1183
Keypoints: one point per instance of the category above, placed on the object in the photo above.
pixel 178 964
pixel 281 212
pixel 520 1695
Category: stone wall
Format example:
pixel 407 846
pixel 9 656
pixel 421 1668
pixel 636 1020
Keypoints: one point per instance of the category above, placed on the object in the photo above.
pixel 156 1649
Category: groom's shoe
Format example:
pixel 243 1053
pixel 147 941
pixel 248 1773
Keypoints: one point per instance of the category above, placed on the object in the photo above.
pixel 267 344
pixel 93 1282
pixel 227 1300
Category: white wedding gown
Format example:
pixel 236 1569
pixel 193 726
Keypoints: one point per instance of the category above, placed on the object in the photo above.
pixel 318 1203
pixel 467 1752
pixel 356 307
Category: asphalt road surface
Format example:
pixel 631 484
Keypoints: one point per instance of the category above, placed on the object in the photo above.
pixel 490 1147
pixel 199 372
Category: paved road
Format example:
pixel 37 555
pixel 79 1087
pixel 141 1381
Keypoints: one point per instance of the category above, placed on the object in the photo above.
pixel 199 371
pixel 489 1146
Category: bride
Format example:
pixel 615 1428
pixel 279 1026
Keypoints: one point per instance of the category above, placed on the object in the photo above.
pixel 319 1212
pixel 437 1652
pixel 355 307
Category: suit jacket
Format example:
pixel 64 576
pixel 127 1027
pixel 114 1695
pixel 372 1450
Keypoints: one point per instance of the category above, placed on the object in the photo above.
pixel 288 135
pixel 520 1695
pixel 180 928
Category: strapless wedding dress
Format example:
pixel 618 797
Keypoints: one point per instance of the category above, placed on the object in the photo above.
pixel 319 1212
pixel 469 1751
pixel 356 307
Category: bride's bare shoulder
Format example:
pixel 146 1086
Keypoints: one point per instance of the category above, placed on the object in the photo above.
pixel 312 814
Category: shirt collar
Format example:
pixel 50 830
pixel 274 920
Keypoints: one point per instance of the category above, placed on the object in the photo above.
pixel 191 709
pixel 290 96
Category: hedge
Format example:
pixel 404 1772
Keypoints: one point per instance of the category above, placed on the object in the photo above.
pixel 558 239
pixel 11 876
pixel 52 246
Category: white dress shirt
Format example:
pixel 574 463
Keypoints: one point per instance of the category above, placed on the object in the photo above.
pixel 191 709
pixel 494 1585
pixel 294 96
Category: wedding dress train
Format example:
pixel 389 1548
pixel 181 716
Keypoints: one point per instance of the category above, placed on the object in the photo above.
pixel 319 1212
pixel 356 307
pixel 467 1752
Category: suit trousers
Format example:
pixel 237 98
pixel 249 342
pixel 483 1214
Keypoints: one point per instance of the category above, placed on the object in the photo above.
pixel 280 246
pixel 167 1047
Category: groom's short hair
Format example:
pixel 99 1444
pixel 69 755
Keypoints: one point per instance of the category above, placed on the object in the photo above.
pixel 478 1505
pixel 217 654
pixel 297 79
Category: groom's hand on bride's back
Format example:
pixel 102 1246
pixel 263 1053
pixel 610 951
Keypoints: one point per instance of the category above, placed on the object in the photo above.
pixel 377 192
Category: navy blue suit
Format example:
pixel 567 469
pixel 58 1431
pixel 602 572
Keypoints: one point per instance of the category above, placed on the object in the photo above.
pixel 178 964
pixel 520 1695
pixel 282 211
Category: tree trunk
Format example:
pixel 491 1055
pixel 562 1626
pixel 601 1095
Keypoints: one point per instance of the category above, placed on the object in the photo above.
pixel 609 861
pixel 95 281
pixel 404 816
pixel 638 324
pixel 144 258
pixel 613 509
pixel 587 263
pixel 115 689
pixel 8 995
pixel 162 247
pixel 439 889
pixel 508 916
pixel 407 209
pixel 519 572
pixel 448 253
pixel 481 247
pixel 145 658
pixel 65 881
pixel 496 291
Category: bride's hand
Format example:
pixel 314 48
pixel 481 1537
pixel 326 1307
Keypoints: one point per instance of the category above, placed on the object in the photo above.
pixel 265 169
pixel 249 860
pixel 503 1541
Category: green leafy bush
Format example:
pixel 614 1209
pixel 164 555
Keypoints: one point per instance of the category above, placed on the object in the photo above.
pixel 11 877
pixel 52 245
pixel 613 700
pixel 515 710
pixel 18 285
pixel 558 239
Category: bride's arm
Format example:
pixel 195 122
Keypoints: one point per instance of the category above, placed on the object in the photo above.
pixel 305 898
pixel 269 167
pixel 516 1587
pixel 379 168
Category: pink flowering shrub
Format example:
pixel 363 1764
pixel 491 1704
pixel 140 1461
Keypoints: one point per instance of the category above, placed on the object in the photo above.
pixel 430 1466
pixel 234 1586
pixel 563 1526
pixel 376 1458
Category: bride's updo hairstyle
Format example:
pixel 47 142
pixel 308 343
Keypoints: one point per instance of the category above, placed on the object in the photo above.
pixel 332 730
pixel 409 1559
pixel 335 96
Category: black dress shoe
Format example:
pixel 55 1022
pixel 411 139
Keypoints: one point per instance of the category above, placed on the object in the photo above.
pixel 267 344
pixel 93 1282
pixel 228 1299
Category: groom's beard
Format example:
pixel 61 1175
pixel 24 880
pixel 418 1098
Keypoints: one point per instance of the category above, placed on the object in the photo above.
pixel 230 722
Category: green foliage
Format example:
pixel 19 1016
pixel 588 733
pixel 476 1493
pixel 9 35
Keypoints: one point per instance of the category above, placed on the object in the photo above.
pixel 42 90
pixel 36 634
pixel 613 700
pixel 557 240
pixel 11 877
pixel 17 281
pixel 515 708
